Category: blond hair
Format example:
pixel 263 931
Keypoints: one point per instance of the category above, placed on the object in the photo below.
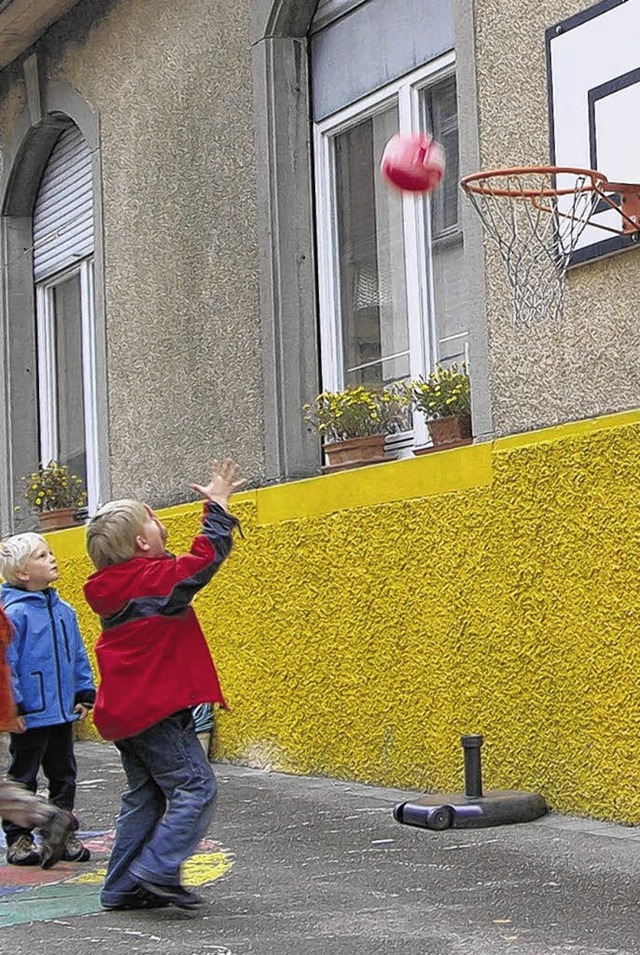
pixel 112 532
pixel 15 553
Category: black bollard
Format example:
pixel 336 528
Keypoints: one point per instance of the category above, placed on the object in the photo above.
pixel 474 809
pixel 472 767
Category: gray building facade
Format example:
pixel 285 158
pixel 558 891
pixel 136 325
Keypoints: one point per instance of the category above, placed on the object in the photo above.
pixel 240 253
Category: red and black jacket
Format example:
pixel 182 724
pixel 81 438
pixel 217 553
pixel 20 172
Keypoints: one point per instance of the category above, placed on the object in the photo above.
pixel 152 655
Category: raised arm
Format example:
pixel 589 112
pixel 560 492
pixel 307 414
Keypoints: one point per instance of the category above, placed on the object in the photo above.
pixel 224 482
pixel 170 583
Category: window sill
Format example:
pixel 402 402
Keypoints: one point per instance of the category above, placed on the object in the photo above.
pixel 429 449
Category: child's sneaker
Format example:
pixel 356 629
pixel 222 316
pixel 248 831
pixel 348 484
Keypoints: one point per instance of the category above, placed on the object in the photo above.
pixel 55 832
pixel 74 850
pixel 172 894
pixel 23 852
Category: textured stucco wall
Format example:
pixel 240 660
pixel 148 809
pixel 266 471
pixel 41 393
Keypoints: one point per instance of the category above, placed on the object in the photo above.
pixel 13 100
pixel 589 363
pixel 171 83
pixel 369 618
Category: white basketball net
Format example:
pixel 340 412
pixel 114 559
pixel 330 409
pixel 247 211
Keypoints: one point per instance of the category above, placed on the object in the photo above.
pixel 535 234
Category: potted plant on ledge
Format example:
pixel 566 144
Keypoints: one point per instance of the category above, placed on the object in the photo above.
pixel 55 494
pixel 354 423
pixel 444 398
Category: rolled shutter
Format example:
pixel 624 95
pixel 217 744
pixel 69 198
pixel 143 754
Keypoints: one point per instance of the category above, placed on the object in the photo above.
pixel 63 211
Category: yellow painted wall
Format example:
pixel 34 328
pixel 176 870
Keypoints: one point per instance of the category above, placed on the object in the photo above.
pixel 370 617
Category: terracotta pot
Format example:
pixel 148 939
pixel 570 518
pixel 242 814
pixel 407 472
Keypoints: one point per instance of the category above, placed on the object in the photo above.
pixel 450 430
pixel 56 520
pixel 354 452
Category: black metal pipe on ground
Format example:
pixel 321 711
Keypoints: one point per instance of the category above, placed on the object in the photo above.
pixel 473 809
pixel 472 765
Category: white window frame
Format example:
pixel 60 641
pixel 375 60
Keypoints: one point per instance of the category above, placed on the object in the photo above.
pixel 47 381
pixel 405 93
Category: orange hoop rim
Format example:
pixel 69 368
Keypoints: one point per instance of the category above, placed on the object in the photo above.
pixel 476 183
pixel 622 187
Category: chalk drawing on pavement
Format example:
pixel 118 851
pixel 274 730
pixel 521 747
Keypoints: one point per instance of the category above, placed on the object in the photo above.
pixel 32 894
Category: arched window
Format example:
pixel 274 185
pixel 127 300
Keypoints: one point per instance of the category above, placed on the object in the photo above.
pixel 52 311
pixel 63 247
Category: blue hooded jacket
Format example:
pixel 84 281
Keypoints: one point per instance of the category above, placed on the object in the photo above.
pixel 50 670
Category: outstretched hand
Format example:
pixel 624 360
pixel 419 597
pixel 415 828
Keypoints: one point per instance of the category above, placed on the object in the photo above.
pixel 224 482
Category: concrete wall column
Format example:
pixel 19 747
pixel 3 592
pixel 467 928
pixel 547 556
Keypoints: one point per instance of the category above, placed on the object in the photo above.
pixel 287 269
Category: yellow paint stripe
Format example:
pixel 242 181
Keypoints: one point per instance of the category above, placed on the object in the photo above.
pixel 179 510
pixel 573 429
pixel 439 473
pixel 68 544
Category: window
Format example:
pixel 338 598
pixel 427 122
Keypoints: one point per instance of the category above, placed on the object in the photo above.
pixel 63 246
pixel 66 372
pixel 389 264
pixel 371 279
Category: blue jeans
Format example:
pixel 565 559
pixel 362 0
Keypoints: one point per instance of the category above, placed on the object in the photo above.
pixel 165 811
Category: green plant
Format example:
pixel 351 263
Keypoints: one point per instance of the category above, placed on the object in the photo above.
pixel 445 393
pixel 52 487
pixel 357 412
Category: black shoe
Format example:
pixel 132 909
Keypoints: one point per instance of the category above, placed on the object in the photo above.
pixel 23 851
pixel 173 894
pixel 55 833
pixel 74 851
pixel 137 899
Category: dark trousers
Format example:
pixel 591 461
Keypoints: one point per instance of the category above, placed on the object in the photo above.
pixel 49 748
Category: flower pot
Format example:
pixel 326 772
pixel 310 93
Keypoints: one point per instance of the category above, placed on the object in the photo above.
pixel 450 430
pixel 354 452
pixel 57 519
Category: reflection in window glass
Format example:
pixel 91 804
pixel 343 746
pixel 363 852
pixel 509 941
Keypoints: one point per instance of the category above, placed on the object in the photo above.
pixel 373 300
pixel 67 332
pixel 440 117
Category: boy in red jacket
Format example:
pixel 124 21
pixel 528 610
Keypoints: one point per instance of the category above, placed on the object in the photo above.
pixel 155 665
pixel 16 802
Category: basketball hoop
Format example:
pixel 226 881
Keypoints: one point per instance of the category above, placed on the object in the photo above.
pixel 536 214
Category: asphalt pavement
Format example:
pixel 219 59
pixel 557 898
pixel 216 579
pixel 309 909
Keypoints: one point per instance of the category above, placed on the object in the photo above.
pixel 314 866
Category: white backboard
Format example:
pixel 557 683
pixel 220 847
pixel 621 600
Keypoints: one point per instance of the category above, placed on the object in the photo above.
pixel 593 76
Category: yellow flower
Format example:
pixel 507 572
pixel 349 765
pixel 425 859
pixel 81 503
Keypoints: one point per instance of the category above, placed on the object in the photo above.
pixel 52 486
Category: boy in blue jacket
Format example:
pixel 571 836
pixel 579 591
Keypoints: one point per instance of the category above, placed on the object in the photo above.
pixel 52 686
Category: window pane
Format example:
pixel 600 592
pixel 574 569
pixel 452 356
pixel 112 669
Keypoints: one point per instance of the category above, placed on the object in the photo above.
pixel 440 118
pixel 449 296
pixel 67 318
pixel 373 300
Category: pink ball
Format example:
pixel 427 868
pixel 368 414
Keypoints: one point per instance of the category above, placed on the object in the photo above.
pixel 413 162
